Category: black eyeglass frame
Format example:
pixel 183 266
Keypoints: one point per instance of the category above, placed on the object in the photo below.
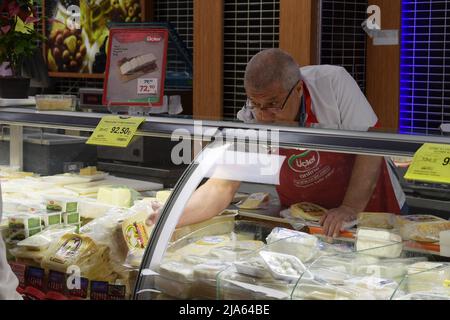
pixel 274 108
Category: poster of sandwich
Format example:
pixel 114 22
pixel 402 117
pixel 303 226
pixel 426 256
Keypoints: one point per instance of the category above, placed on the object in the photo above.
pixel 77 33
pixel 136 66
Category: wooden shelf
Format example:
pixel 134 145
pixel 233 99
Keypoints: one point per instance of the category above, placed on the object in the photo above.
pixel 76 75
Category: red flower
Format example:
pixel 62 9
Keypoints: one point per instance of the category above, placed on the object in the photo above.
pixel 5 29
pixel 13 8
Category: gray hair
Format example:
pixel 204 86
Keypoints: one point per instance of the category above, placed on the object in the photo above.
pixel 271 66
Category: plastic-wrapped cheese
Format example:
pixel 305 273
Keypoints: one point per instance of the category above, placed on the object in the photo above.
pixel 379 243
pixel 203 246
pixel 302 245
pixel 372 288
pixel 237 250
pixel 255 201
pixel 209 271
pixel 178 271
pixel 429 277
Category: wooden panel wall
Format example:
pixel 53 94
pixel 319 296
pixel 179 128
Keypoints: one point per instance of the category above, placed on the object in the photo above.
pixel 298 29
pixel 383 68
pixel 208 59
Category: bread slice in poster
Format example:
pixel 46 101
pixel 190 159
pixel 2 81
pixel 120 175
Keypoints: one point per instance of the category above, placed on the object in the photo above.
pixel 135 67
pixel 308 211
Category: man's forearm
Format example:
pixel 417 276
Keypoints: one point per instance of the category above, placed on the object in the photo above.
pixel 208 201
pixel 363 181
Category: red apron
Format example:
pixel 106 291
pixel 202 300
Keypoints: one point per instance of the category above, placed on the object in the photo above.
pixel 323 177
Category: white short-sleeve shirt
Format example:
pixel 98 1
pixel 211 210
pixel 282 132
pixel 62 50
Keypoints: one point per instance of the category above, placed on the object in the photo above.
pixel 336 99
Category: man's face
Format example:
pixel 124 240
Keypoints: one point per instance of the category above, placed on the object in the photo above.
pixel 268 104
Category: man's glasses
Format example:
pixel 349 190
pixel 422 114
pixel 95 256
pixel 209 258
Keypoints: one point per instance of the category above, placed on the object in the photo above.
pixel 274 108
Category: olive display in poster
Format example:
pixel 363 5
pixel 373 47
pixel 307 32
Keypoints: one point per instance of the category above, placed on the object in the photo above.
pixel 77 33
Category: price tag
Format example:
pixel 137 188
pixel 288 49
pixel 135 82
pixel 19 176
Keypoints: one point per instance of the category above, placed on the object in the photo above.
pixel 147 86
pixel 431 163
pixel 115 131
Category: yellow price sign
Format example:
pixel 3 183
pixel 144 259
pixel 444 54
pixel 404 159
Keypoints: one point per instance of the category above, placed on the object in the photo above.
pixel 431 163
pixel 447 283
pixel 115 131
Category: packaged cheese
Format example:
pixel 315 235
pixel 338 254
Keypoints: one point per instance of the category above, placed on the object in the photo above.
pixel 50 218
pixel 42 240
pixel 178 271
pixel 371 288
pixel 308 211
pixel 209 271
pixel 61 204
pixel 302 245
pixel 24 221
pixel 203 246
pixel 136 234
pixel 423 228
pixel 237 250
pixel 429 277
pixel 75 249
pixel 379 243
pixel 255 201
pixel 377 220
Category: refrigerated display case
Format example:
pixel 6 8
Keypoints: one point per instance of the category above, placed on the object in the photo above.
pixel 229 256
pixel 235 262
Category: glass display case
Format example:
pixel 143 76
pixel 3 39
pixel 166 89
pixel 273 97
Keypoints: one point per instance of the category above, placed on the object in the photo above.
pixel 245 239
pixel 270 252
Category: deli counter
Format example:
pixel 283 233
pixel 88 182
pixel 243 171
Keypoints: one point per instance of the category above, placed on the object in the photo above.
pixel 257 248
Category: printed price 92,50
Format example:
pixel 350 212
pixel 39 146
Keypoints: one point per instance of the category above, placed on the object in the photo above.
pixel 121 130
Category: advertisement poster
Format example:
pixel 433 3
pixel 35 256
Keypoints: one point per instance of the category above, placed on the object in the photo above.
pixel 77 32
pixel 136 67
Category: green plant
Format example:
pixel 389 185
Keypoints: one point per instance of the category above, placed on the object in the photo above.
pixel 16 45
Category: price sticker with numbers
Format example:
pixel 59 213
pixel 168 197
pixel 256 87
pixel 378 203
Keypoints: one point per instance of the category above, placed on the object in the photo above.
pixel 147 86
pixel 115 131
pixel 431 163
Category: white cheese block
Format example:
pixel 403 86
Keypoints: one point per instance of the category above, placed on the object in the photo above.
pixel 445 251
pixel 120 197
pixel 379 243
pixel 209 271
pixel 302 245
pixel 178 271
pixel 444 238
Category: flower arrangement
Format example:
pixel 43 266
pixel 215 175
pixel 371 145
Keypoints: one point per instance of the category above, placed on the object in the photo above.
pixel 18 35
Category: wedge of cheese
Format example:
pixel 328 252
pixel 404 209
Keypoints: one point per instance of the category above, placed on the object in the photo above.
pixel 254 201
pixel 308 211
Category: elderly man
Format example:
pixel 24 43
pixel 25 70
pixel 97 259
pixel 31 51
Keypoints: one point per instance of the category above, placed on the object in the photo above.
pixel 280 92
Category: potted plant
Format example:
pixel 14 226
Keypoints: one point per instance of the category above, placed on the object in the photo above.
pixel 18 41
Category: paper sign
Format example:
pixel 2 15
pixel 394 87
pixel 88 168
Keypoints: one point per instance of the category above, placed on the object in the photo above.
pixel 115 131
pixel 431 163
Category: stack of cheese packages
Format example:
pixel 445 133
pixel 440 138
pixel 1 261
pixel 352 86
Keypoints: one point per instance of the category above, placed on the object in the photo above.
pixel 421 228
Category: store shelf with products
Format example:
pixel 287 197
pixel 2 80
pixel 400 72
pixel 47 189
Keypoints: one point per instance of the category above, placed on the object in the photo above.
pixel 121 256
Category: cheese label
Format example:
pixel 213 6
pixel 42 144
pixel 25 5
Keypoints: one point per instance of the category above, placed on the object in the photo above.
pixel 431 163
pixel 115 131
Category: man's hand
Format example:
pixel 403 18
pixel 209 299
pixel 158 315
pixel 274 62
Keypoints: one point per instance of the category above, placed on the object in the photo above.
pixel 153 217
pixel 334 219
